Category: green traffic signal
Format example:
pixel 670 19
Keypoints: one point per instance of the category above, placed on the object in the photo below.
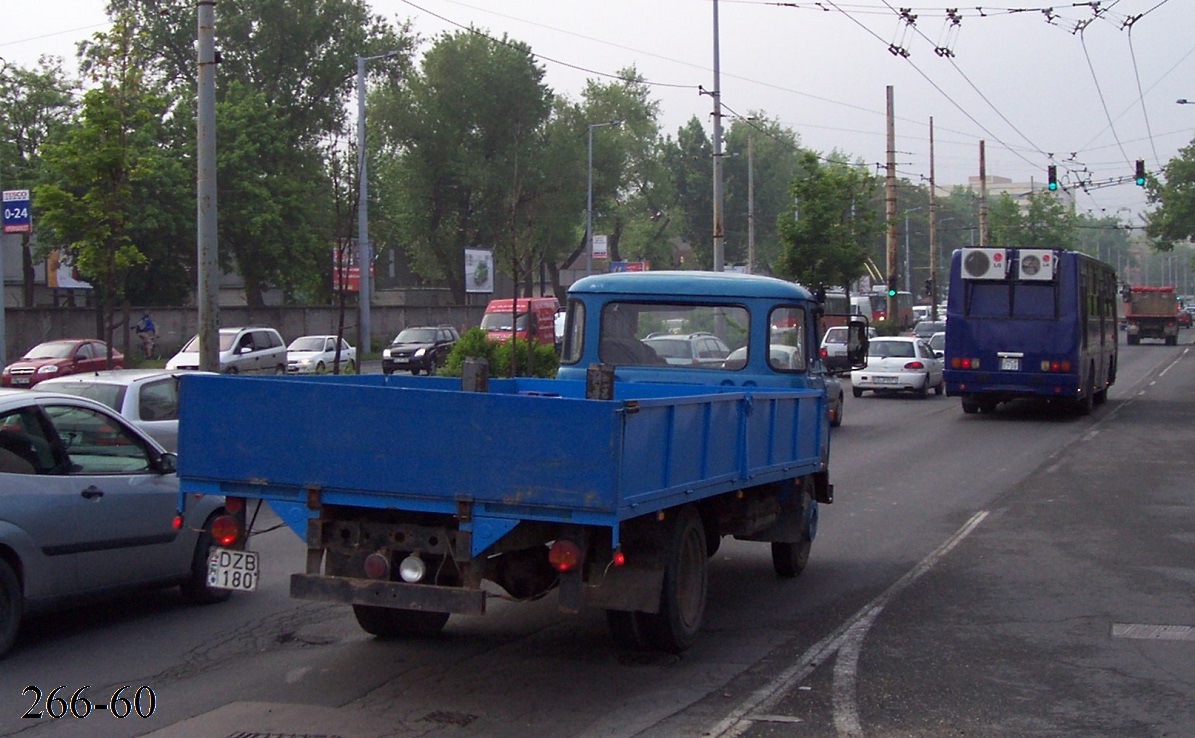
pixel 1052 178
pixel 891 292
pixel 1140 179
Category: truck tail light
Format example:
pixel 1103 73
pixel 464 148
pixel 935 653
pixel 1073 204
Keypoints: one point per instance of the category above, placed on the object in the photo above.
pixel 226 530
pixel 377 566
pixel 564 556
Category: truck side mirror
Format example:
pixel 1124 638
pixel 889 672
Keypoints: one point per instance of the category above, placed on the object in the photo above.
pixel 857 342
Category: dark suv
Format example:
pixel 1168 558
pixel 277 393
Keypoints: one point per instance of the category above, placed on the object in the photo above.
pixel 422 348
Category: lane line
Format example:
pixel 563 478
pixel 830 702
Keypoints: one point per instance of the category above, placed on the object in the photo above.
pixel 850 634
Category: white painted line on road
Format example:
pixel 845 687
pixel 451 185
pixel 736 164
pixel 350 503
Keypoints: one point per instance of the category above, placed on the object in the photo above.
pixel 1091 434
pixel 845 640
pixel 1153 632
pixel 777 719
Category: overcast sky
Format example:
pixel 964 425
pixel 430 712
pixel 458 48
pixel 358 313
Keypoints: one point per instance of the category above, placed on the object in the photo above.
pixel 1092 87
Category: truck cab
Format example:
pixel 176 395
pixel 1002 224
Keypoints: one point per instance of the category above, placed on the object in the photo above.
pixel 769 326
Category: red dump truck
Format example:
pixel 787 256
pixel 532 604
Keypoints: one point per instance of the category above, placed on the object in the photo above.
pixel 1151 312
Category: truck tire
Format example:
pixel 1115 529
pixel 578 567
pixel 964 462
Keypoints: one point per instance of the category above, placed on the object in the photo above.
pixel 196 590
pixel 970 405
pixel 11 605
pixel 789 558
pixel 682 599
pixel 389 622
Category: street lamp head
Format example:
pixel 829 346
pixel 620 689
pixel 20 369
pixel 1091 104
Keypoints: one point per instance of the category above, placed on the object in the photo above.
pixel 1183 101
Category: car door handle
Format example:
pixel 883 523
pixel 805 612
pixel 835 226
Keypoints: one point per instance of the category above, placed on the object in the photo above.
pixel 92 492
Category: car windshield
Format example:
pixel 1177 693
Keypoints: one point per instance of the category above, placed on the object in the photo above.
pixel 836 335
pixel 501 322
pixel 307 343
pixel 51 350
pixel 111 395
pixel 192 346
pixel 880 349
pixel 416 335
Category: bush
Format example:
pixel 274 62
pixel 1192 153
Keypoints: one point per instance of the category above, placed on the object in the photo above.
pixel 886 328
pixel 476 344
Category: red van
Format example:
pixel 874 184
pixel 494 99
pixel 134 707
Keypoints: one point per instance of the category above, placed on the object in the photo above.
pixel 535 319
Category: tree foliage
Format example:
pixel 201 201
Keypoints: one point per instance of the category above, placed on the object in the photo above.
pixel 824 237
pixel 1173 221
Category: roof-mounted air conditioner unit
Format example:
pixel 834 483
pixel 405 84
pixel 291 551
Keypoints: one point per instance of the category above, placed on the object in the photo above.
pixel 1037 264
pixel 984 264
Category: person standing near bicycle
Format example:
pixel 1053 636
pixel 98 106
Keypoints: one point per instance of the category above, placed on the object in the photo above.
pixel 148 333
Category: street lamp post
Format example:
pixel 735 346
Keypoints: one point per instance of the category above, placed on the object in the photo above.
pixel 364 252
pixel 589 198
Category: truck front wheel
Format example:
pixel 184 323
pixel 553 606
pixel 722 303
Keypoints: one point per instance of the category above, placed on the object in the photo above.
pixel 389 622
pixel 682 600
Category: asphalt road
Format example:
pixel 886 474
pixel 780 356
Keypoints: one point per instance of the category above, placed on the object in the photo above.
pixel 1027 573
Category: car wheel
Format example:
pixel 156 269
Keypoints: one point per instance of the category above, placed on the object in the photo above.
pixel 836 414
pixel 923 392
pixel 414 371
pixel 940 388
pixel 231 370
pixel 320 368
pixel 11 604
pixel 856 392
pixel 196 590
pixel 352 367
pixel 387 372
pixel 280 369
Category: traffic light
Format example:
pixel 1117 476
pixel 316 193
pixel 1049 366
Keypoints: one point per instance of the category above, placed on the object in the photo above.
pixel 1052 178
pixel 892 285
pixel 929 286
pixel 1140 172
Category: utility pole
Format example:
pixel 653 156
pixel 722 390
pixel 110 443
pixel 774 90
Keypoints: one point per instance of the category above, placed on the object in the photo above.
pixel 933 230
pixel 983 196
pixel 750 203
pixel 209 266
pixel 890 206
pixel 716 94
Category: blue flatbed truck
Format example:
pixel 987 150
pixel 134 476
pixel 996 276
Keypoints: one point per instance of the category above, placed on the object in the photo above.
pixel 611 484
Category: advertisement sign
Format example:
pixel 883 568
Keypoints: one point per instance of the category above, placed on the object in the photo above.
pixel 599 248
pixel 630 266
pixel 479 270
pixel 16 211
pixel 350 272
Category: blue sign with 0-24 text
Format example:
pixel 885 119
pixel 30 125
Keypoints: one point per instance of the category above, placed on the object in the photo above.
pixel 16 211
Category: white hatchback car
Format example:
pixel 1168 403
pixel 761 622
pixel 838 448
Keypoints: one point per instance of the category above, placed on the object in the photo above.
pixel 317 355
pixel 251 350
pixel 899 364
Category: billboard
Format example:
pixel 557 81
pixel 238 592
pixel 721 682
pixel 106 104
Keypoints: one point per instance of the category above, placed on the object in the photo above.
pixel 479 270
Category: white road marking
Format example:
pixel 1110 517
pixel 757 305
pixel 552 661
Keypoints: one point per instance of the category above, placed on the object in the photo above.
pixel 1142 631
pixel 845 640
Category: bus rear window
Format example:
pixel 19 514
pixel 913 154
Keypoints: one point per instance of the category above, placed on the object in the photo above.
pixel 1011 300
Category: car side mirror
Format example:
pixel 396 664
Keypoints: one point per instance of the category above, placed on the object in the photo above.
pixel 168 462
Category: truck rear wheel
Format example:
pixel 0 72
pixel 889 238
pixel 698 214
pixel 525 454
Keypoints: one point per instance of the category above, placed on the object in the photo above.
pixel 628 629
pixel 789 558
pixel 682 600
pixel 389 622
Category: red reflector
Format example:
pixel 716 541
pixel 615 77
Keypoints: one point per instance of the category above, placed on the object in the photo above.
pixel 564 556
pixel 377 566
pixel 619 558
pixel 225 530
pixel 177 524
pixel 825 353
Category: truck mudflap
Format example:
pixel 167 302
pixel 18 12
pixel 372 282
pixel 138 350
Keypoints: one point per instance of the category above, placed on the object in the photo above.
pixel 400 595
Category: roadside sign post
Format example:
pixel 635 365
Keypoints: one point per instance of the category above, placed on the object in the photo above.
pixel 16 220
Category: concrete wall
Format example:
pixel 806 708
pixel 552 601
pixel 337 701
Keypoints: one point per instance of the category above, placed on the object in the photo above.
pixel 27 327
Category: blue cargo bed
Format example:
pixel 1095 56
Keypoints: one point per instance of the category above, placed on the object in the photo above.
pixel 527 449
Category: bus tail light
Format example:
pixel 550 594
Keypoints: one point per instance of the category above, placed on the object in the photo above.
pixel 1055 365
pixel 964 362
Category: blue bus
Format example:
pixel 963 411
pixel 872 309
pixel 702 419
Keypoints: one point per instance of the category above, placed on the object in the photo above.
pixel 1037 323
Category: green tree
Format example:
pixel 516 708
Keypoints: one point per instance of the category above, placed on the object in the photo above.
pixel 824 237
pixel 102 172
pixel 1047 222
pixel 1173 221
pixel 467 130
pixel 689 158
pixel 771 152
pixel 35 105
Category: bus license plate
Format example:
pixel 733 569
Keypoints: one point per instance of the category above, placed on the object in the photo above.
pixel 229 569
pixel 1010 364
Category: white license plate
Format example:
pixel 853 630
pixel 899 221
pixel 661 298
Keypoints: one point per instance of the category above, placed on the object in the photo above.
pixel 1010 364
pixel 885 380
pixel 20 381
pixel 229 569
